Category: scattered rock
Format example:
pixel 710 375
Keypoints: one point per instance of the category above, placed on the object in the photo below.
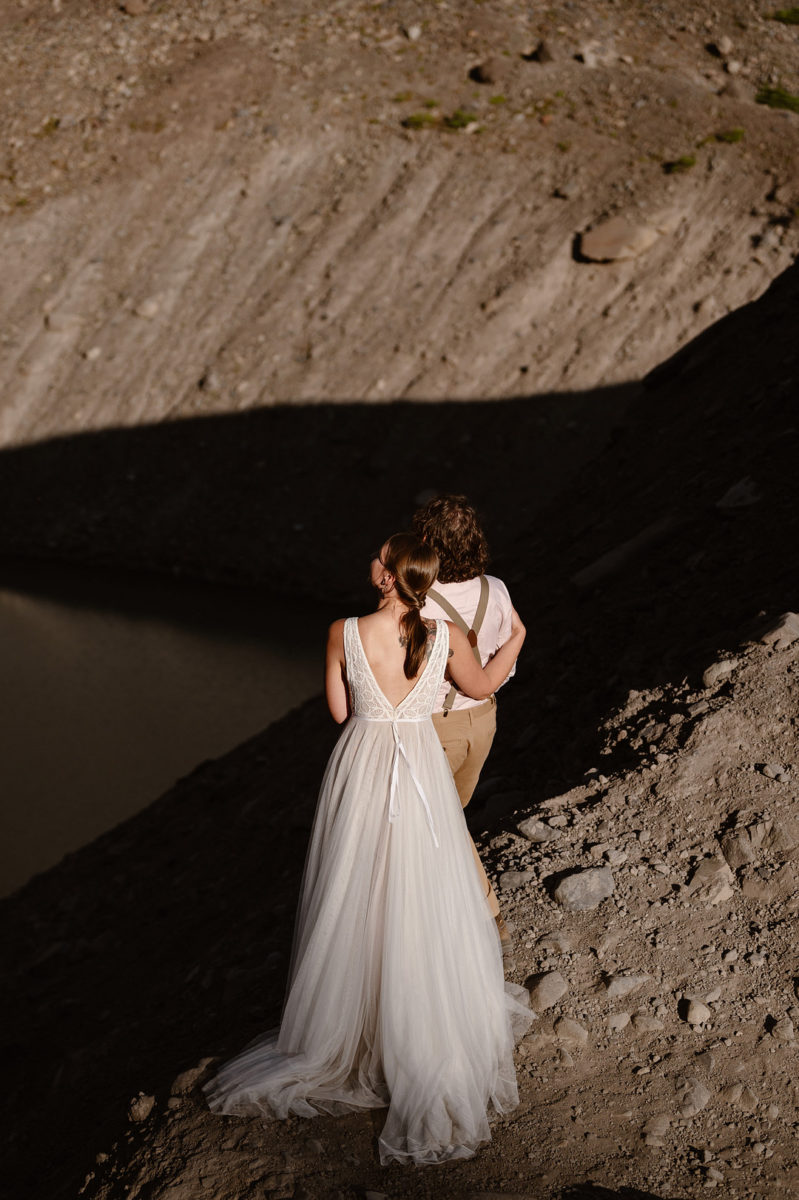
pixel 782 632
pixel 712 881
pixel 658 1125
pixel 718 671
pixel 187 1079
pixel 546 989
pixel 695 1012
pixel 509 880
pixel 134 8
pixel 624 983
pixel 644 1023
pixel 692 1096
pixel 569 1030
pixel 585 889
pixel 140 1107
pixel 783 1031
pixel 148 308
pixel 555 941
pixel 412 32
pixel 536 831
pixel 616 239
pixel 618 1021
pixel 772 770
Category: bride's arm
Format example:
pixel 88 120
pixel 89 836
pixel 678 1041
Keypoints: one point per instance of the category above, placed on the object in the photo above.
pixel 336 690
pixel 480 682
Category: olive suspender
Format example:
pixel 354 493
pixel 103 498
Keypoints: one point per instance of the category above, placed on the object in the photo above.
pixel 471 634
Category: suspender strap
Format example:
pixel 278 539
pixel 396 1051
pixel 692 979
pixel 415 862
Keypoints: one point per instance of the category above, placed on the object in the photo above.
pixel 471 634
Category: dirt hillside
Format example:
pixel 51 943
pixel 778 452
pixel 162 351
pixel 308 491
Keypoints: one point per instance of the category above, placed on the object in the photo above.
pixel 212 207
pixel 640 494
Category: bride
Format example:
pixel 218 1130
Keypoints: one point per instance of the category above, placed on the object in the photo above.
pixel 396 994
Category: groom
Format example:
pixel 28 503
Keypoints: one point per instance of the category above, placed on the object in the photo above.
pixel 481 606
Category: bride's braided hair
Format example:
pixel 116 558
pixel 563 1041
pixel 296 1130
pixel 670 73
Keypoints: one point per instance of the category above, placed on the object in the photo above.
pixel 414 566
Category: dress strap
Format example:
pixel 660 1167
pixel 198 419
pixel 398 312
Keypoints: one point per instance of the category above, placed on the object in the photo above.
pixel 400 752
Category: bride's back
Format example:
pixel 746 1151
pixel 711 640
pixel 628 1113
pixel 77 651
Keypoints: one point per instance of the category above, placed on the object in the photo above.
pixel 380 637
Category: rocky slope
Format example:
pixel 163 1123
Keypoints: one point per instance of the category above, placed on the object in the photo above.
pixel 212 207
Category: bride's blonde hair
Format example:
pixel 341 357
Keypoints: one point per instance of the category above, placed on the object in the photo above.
pixel 414 566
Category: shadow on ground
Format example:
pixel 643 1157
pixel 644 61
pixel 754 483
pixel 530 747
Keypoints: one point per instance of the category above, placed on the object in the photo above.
pixel 167 939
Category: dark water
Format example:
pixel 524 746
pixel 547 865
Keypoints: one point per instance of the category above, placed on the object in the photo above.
pixel 113 687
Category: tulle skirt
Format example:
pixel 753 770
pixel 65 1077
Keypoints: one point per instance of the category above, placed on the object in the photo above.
pixel 396 993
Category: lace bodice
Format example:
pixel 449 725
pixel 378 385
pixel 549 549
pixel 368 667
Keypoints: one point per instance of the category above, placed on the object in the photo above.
pixel 365 694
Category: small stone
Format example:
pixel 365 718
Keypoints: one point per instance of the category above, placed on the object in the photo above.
pixel 643 1023
pixel 555 941
pixel 772 770
pixel 784 630
pixel 714 1173
pixel 140 1107
pixel 93 354
pixel 783 1031
pixel 546 989
pixel 733 67
pixel 616 240
pixel 712 881
pixel 658 1125
pixel 718 671
pixel 412 32
pixel 509 880
pixel 615 857
pixel 692 1095
pixel 565 1058
pixel 725 46
pixel 697 1013
pixel 569 1030
pixel 583 890
pixel 618 1021
pixel 536 831
pixel 147 309
pixel 624 983
pixel 134 8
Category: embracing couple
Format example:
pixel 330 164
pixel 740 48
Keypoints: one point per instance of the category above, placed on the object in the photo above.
pixel 396 994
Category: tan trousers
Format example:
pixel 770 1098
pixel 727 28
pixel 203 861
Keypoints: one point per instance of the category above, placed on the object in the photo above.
pixel 466 735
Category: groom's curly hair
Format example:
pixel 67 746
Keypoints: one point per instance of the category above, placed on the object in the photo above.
pixel 451 527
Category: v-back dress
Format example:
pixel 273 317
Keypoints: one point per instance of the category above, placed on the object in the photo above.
pixel 396 993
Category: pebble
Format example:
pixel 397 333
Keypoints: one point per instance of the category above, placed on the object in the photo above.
pixel 658 1125
pixel 643 1023
pixel 772 770
pixel 140 1107
pixel 616 240
pixel 546 989
pixel 718 671
pixel 712 881
pixel 536 831
pixel 624 983
pixel 583 890
pixel 697 1013
pixel 783 1031
pixel 692 1095
pixel 618 1021
pixel 569 1030
pixel 509 880
pixel 147 309
pixel 782 632
pixel 555 941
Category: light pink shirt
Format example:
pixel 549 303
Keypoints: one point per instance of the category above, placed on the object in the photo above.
pixel 495 630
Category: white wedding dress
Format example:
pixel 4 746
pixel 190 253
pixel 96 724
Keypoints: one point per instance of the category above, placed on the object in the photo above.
pixel 396 993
